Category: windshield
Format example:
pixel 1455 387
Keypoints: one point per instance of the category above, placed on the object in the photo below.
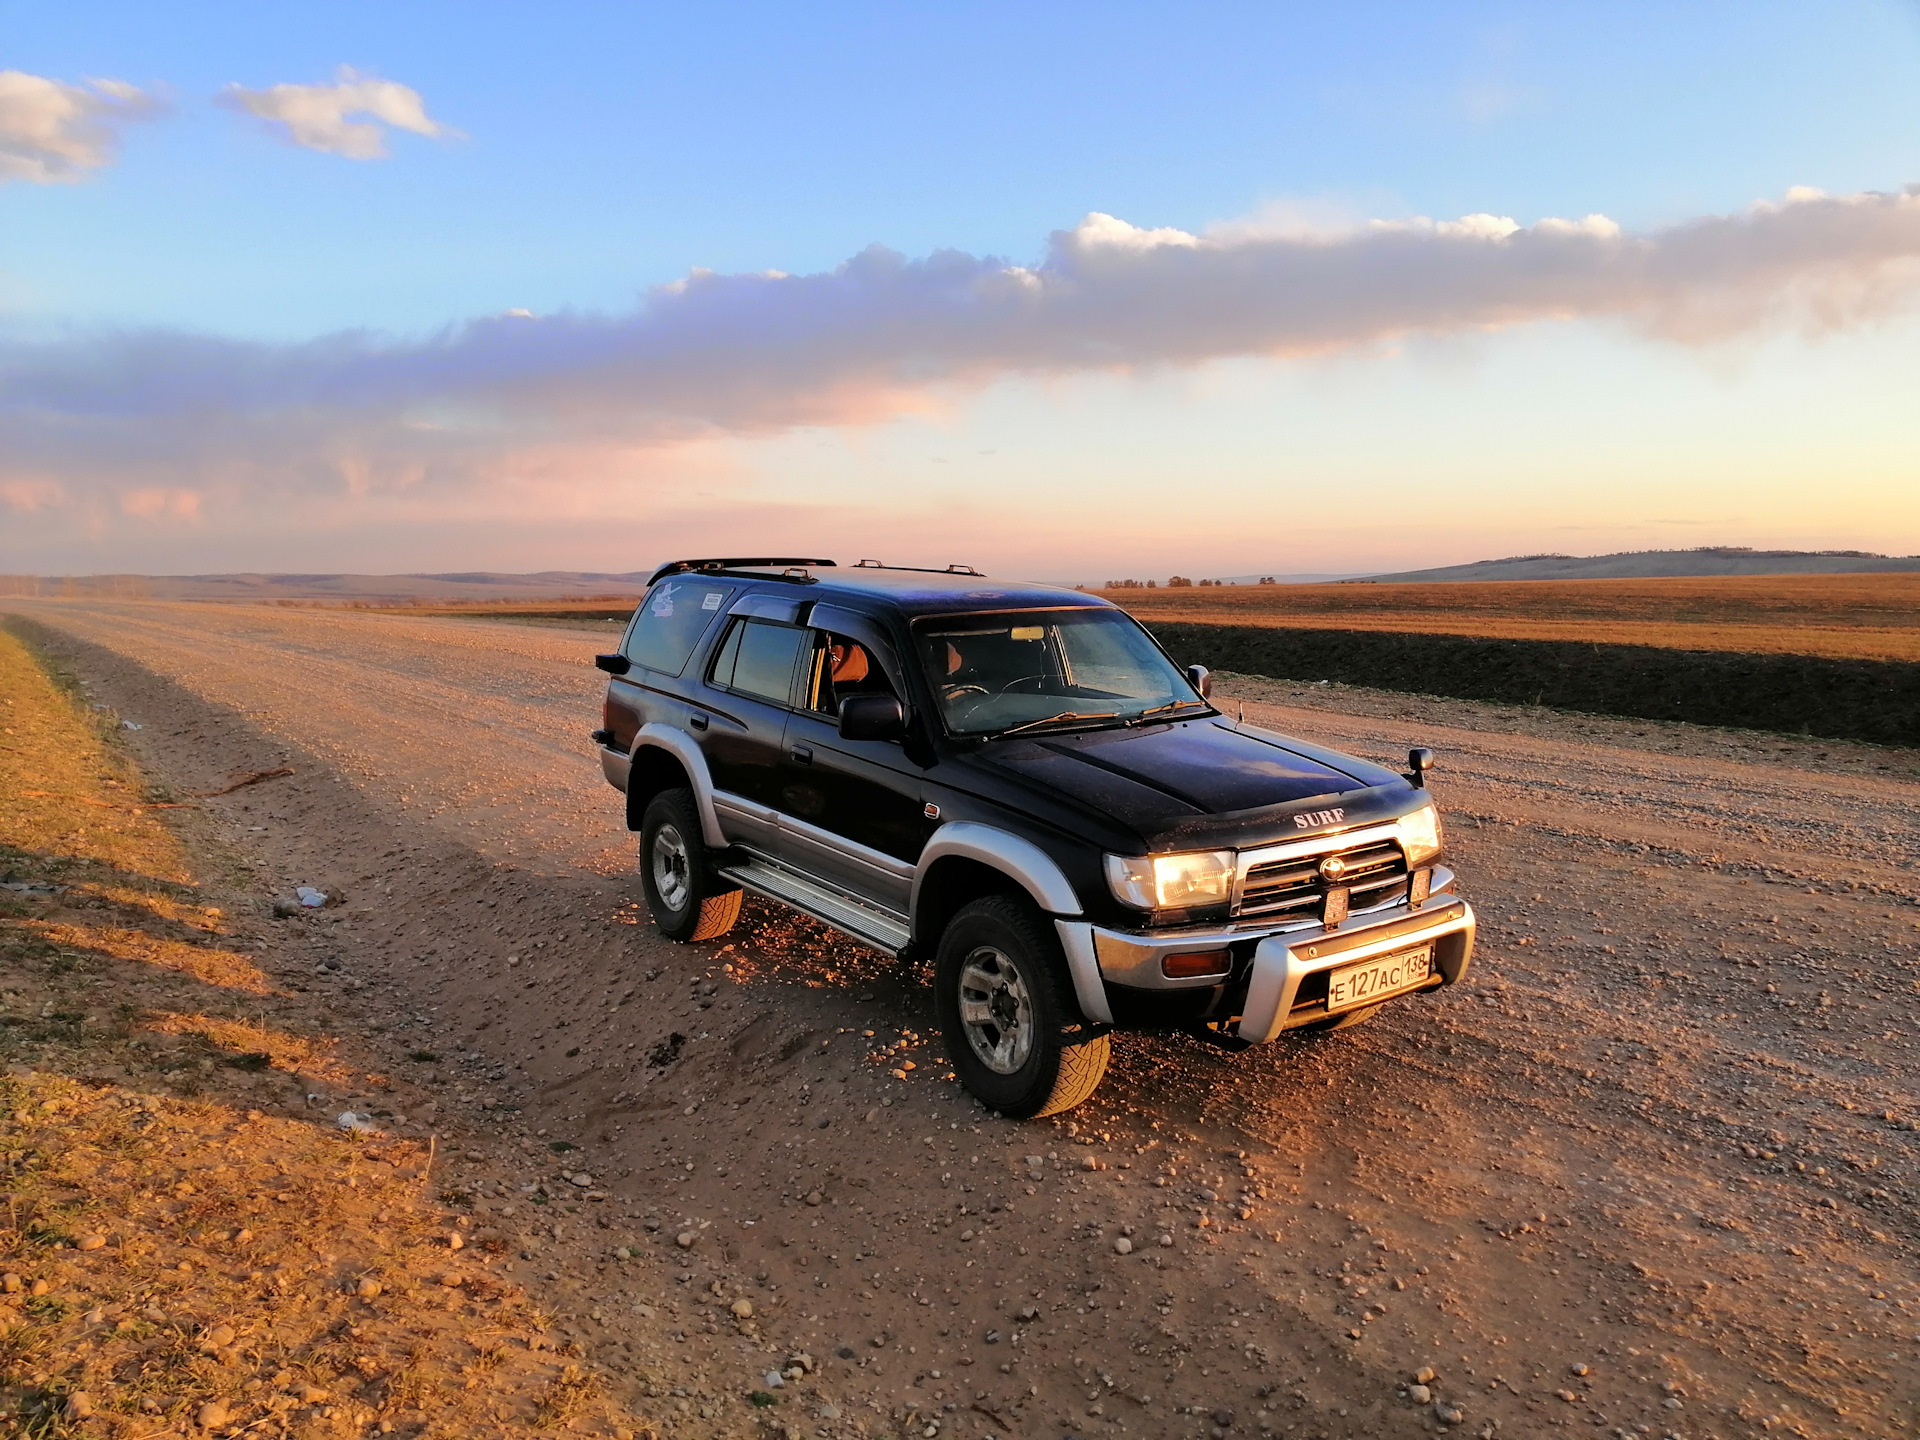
pixel 1048 669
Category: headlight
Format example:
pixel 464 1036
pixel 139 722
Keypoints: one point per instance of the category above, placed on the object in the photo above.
pixel 1419 835
pixel 1170 882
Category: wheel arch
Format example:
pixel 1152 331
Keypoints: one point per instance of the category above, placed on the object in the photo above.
pixel 963 852
pixel 664 759
pixel 966 860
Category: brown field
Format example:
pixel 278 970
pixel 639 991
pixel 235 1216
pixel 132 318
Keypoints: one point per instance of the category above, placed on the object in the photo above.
pixel 1846 617
pixel 1857 617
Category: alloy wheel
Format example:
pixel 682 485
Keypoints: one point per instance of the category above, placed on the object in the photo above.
pixel 672 877
pixel 996 1010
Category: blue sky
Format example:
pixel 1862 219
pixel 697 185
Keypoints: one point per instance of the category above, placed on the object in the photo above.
pixel 604 150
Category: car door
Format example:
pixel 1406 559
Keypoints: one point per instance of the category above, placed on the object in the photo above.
pixel 852 811
pixel 750 691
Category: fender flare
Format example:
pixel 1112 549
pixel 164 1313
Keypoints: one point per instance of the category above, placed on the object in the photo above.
pixel 679 744
pixel 1036 873
pixel 1001 850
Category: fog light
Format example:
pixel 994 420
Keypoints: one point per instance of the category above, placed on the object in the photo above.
pixel 1190 963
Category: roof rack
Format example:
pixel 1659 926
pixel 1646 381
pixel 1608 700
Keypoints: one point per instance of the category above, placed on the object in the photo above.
pixel 681 567
pixel 920 569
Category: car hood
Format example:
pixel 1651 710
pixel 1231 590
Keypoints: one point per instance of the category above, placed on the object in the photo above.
pixel 1168 775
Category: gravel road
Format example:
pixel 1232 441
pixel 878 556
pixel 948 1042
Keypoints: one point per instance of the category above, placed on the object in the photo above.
pixel 1653 1171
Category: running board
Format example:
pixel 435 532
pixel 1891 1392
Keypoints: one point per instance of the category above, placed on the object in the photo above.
pixel 864 923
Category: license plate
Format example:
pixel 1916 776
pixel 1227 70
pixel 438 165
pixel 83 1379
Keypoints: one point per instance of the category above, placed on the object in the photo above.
pixel 1376 979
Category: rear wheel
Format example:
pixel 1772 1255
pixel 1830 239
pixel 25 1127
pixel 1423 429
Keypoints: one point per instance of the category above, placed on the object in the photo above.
pixel 688 901
pixel 1006 1008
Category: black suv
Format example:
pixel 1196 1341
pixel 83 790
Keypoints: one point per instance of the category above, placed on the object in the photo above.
pixel 1016 781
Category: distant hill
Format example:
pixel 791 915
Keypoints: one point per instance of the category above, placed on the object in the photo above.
pixel 1659 564
pixel 463 585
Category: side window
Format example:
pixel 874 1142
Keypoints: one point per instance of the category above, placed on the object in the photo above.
pixel 758 659
pixel 842 666
pixel 671 620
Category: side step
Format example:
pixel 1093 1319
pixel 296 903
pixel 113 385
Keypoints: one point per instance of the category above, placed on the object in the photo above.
pixel 881 930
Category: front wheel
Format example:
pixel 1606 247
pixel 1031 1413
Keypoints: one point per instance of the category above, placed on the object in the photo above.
pixel 1007 1012
pixel 688 901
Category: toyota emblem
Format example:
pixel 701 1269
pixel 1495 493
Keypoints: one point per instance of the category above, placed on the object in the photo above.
pixel 1332 868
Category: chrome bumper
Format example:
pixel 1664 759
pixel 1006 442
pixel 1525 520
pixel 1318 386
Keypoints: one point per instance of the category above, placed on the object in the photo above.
pixel 1282 962
pixel 1132 957
pixel 1288 952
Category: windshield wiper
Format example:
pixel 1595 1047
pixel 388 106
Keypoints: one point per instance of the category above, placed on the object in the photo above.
pixel 1140 718
pixel 1064 715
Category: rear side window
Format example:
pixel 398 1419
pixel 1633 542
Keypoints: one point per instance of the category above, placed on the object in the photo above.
pixel 758 659
pixel 670 622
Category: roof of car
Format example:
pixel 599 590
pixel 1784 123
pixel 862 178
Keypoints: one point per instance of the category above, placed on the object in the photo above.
pixel 911 592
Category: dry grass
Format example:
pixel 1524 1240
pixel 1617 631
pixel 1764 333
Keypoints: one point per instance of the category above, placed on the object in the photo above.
pixel 1874 617
pixel 144 905
pixel 173 1262
pixel 63 792
pixel 189 1255
pixel 241 1042
pixel 224 968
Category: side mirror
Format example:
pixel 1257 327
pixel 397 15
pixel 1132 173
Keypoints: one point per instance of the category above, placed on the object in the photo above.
pixel 1201 680
pixel 612 664
pixel 1419 761
pixel 871 717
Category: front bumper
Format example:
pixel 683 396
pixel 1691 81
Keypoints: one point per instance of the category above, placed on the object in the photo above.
pixel 1283 964
pixel 1283 985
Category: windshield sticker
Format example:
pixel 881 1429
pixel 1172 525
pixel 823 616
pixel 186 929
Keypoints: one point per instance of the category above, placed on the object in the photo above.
pixel 712 600
pixel 663 602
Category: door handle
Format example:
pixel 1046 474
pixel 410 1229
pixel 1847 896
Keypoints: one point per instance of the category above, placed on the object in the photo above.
pixel 698 722
pixel 802 753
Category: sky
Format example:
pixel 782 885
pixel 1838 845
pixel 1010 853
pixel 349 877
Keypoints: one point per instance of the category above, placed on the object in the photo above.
pixel 1074 291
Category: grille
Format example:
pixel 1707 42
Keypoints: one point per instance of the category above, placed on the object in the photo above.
pixel 1290 884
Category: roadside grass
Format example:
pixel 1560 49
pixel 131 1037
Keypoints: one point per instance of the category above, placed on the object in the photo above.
pixel 174 1260
pixel 65 796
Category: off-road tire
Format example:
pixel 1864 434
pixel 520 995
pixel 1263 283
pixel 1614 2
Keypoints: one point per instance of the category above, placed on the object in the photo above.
pixel 1345 1020
pixel 701 905
pixel 1065 1056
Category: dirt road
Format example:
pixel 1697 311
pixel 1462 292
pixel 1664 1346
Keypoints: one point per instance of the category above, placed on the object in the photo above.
pixel 1654 1171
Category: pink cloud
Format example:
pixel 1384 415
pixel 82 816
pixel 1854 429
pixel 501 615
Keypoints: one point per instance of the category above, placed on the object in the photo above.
pixel 156 502
pixel 28 494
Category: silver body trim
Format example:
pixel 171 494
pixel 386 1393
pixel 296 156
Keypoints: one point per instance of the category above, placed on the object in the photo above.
pixel 616 765
pixel 1018 859
pixel 1083 964
pixel 847 863
pixel 876 860
pixel 1132 957
pixel 1282 961
pixel 726 804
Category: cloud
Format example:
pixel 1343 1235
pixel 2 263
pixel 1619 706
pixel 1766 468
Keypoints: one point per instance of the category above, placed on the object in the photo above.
pixel 316 116
pixel 27 494
pixel 505 399
pixel 52 132
pixel 156 502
